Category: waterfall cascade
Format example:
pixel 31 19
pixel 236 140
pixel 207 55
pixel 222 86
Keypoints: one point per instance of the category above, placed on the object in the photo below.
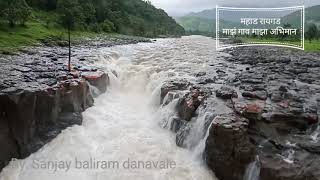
pixel 253 171
pixel 121 131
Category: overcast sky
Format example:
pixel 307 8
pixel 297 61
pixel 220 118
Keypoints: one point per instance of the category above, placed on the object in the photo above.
pixel 182 7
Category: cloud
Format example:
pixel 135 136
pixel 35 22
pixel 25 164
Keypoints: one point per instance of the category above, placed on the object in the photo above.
pixel 182 7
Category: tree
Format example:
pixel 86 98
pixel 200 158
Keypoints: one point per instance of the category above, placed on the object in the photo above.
pixel 90 13
pixel 312 32
pixel 2 7
pixel 15 11
pixel 318 34
pixel 43 4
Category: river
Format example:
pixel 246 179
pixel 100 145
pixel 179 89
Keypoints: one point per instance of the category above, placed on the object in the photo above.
pixel 121 136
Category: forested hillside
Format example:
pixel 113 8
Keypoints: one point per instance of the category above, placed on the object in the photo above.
pixel 197 24
pixel 36 19
pixel 312 16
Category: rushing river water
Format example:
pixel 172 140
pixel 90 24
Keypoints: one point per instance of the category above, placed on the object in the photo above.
pixel 121 136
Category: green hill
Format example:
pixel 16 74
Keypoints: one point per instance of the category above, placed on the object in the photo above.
pixel 204 21
pixel 191 23
pixel 312 15
pixel 201 25
pixel 25 22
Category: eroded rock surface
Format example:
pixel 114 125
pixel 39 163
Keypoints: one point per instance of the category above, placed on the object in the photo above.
pixel 39 97
pixel 228 146
pixel 266 110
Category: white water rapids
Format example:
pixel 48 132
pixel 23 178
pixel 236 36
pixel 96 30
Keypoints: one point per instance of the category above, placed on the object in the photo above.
pixel 123 125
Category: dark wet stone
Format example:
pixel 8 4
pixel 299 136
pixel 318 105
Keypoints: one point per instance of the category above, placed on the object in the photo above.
pixel 49 55
pixel 199 74
pixel 280 118
pixel 283 89
pixel 219 71
pixel 274 167
pixel 188 104
pixel 98 79
pixel 177 124
pixel 39 98
pixel 226 93
pixel 54 59
pixel 182 135
pixel 173 86
pixel 255 95
pixel 228 147
pixel 22 69
pixel 86 68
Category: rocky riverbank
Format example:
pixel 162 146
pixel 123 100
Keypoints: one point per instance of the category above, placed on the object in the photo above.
pixel 39 97
pixel 259 109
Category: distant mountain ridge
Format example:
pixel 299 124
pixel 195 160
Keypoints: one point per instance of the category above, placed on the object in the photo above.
pixel 206 14
pixel 204 21
pixel 312 15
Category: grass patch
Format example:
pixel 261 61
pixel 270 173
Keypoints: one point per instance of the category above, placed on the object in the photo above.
pixel 309 46
pixel 312 46
pixel 13 39
pixel 42 27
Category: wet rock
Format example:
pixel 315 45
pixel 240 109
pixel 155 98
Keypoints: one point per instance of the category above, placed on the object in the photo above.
pixel 199 74
pixel 289 113
pixel 283 89
pixel 247 108
pixel 226 93
pixel 9 147
pixel 182 135
pixel 22 69
pixel 30 113
pixel 177 124
pixel 171 96
pixel 252 81
pixel 173 85
pixel 188 105
pixel 276 168
pixel 98 79
pixel 39 97
pixel 228 148
pixel 281 113
pixel 54 59
pixel 255 95
pixel 85 68
pixel 207 79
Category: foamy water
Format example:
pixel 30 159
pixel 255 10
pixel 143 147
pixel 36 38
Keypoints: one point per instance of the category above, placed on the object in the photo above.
pixel 122 128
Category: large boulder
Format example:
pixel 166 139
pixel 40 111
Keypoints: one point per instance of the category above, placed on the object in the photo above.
pixel 173 86
pixel 188 104
pixel 228 148
pixel 97 79
pixel 226 92
pixel 306 166
pixel 31 118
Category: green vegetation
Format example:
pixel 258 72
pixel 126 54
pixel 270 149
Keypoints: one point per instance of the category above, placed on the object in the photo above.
pixel 197 24
pixel 312 32
pixel 270 39
pixel 201 25
pixel 312 15
pixel 14 11
pixel 25 22
pixel 311 46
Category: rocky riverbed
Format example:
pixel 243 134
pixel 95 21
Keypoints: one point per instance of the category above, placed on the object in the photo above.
pixel 261 120
pixel 39 97
pixel 248 113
